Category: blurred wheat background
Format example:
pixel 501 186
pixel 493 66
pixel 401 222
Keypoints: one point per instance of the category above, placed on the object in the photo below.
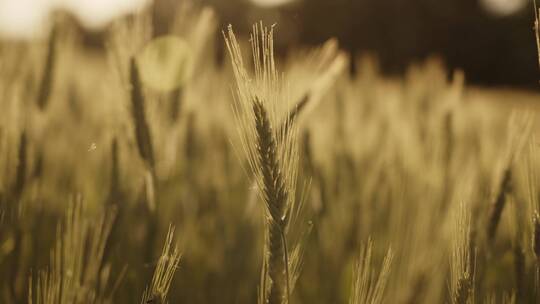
pixel 153 153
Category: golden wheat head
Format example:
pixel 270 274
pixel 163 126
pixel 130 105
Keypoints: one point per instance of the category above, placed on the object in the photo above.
pixel 271 150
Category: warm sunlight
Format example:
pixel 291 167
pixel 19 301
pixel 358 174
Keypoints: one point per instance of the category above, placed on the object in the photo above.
pixel 269 151
pixel 271 3
pixel 27 17
pixel 503 7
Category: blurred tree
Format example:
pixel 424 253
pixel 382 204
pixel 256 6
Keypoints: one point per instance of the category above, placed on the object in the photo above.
pixel 493 50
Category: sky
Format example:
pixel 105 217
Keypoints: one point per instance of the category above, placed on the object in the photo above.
pixel 25 18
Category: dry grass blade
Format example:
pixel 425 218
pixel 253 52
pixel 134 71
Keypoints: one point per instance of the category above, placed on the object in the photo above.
pixel 334 67
pixel 47 290
pixel 531 177
pixel 369 285
pixel 76 260
pixel 293 114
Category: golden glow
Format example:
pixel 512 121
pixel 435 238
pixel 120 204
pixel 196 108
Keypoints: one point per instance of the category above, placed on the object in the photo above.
pixel 96 13
pixel 271 3
pixel 165 63
pixel 22 17
pixel 26 18
pixel 503 7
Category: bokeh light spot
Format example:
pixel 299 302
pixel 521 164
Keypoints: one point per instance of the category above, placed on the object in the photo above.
pixel 503 7
pixel 165 63
pixel 270 3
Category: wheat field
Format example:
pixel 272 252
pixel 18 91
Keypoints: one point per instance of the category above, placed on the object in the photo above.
pixel 152 173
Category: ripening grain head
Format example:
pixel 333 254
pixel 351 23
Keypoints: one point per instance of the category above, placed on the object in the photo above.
pixel 369 284
pixel 265 92
pixel 168 262
pixel 271 151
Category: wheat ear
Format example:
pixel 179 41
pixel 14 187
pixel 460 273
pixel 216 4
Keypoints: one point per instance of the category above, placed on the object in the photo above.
pixel 45 85
pixel 499 203
pixel 272 156
pixel 142 130
pixel 22 163
pixel 275 195
pixel 168 262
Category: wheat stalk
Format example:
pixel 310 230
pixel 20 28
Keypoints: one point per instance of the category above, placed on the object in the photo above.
pixel 114 189
pixel 22 163
pixel 272 156
pixel 72 277
pixel 520 126
pixel 499 203
pixel 368 285
pixel 142 130
pixel 47 78
pixel 168 262
pixel 462 258
pixel 143 134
